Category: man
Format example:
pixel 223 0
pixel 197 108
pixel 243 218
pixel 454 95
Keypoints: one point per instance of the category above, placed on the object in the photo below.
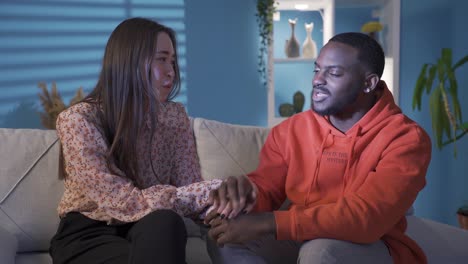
pixel 351 167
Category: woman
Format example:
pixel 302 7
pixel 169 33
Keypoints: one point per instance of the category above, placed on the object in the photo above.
pixel 130 164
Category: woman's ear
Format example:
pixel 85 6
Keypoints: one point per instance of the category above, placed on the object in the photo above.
pixel 371 82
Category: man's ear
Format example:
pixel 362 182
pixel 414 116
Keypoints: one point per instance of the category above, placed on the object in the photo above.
pixel 371 82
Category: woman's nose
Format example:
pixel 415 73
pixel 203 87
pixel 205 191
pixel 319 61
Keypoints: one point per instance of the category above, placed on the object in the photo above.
pixel 170 71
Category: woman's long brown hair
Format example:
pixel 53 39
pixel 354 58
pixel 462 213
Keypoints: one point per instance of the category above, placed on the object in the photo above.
pixel 124 91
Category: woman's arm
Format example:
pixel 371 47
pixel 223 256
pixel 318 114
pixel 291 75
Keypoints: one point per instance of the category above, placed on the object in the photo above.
pixel 186 168
pixel 85 156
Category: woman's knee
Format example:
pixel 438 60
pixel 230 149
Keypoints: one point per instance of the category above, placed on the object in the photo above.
pixel 162 221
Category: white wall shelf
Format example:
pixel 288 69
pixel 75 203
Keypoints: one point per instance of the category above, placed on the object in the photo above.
pixel 327 11
pixel 294 60
pixel 389 16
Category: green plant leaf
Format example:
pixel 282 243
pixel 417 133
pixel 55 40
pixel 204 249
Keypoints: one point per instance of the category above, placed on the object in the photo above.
pixel 460 62
pixel 447 57
pixel 441 84
pixel 419 87
pixel 440 70
pixel 264 17
pixel 430 78
pixel 436 115
pixel 464 126
pixel 453 91
pixel 444 115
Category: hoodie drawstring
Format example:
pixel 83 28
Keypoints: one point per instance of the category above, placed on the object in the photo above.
pixel 346 174
pixel 317 166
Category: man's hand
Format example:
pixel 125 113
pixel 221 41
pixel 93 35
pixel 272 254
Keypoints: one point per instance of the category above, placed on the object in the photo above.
pixel 242 229
pixel 235 195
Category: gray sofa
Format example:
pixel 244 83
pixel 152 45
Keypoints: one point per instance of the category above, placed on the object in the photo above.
pixel 30 191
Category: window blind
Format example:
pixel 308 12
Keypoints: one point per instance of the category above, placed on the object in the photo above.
pixel 63 42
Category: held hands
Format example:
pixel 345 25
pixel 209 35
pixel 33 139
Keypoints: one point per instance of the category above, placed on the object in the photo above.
pixel 241 229
pixel 228 214
pixel 235 195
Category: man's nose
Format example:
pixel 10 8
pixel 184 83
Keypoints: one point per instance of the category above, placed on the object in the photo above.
pixel 318 79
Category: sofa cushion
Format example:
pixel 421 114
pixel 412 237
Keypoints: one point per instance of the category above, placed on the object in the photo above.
pixel 442 243
pixel 8 246
pixel 226 149
pixel 29 186
pixel 33 258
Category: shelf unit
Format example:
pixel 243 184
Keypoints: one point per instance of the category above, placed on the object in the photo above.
pixel 293 60
pixel 326 9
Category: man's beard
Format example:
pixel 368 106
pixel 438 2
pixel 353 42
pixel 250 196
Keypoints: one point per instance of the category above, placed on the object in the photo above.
pixel 339 105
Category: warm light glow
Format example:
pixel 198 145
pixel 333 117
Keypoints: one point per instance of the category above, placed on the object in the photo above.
pixel 301 6
pixel 276 16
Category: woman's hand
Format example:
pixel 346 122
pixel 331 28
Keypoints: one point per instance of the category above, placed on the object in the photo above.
pixel 235 195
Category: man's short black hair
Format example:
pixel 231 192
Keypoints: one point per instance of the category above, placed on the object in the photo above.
pixel 369 50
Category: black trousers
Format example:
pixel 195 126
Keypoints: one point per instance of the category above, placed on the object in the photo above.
pixel 159 237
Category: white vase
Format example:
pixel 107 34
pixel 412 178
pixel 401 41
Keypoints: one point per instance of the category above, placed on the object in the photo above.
pixel 309 47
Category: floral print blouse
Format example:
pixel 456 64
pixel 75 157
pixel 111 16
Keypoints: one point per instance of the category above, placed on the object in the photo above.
pixel 93 190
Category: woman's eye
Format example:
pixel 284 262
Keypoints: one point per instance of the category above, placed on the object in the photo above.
pixel 166 60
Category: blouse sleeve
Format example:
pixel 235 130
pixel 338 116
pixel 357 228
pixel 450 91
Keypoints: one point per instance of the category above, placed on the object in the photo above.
pixel 187 173
pixel 84 152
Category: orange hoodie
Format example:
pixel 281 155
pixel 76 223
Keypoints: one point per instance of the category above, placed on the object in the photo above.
pixel 354 186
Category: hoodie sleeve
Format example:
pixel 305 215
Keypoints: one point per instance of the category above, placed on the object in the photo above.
pixel 365 215
pixel 270 176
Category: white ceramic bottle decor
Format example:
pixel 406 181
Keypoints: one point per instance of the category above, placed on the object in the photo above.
pixel 309 47
pixel 292 47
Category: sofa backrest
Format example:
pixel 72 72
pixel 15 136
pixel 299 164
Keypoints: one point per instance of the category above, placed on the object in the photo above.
pixel 30 189
pixel 29 186
pixel 227 149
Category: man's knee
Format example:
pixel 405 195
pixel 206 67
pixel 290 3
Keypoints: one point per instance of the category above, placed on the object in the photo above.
pixel 325 250
pixel 238 254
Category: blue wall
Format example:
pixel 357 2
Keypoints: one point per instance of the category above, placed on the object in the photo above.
pixel 425 29
pixel 222 77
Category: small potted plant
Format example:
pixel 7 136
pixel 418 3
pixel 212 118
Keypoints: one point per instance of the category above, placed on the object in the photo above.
pixel 440 82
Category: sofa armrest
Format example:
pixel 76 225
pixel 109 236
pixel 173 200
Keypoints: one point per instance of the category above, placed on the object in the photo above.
pixel 8 247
